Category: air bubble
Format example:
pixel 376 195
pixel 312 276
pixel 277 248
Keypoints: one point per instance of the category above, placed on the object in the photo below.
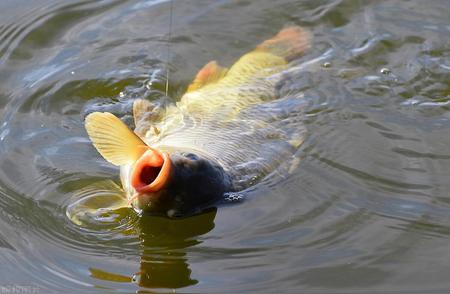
pixel 135 279
pixel 233 197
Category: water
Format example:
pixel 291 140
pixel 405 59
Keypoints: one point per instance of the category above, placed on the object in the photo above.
pixel 366 211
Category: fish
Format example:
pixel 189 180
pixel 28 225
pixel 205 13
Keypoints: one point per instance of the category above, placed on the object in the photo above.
pixel 228 132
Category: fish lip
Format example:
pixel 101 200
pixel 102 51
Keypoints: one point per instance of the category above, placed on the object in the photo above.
pixel 153 158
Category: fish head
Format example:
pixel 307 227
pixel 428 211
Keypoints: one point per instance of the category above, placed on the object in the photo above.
pixel 172 182
pixel 175 183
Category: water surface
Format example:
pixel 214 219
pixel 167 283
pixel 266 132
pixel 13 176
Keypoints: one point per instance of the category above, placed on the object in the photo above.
pixel 366 211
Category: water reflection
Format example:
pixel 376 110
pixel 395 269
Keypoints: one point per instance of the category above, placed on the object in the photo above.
pixel 367 210
pixel 163 244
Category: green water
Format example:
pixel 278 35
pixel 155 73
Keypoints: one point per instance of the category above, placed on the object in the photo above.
pixel 366 211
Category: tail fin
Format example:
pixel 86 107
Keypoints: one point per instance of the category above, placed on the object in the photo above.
pixel 289 43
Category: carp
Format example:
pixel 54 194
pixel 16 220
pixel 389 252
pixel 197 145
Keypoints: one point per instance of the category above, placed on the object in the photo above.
pixel 229 131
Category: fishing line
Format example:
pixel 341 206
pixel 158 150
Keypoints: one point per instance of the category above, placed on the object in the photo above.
pixel 168 47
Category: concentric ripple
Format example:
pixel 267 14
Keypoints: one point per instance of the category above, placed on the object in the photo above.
pixel 362 208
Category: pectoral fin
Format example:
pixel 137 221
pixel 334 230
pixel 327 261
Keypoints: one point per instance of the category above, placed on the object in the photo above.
pixel 146 116
pixel 210 73
pixel 104 200
pixel 113 139
pixel 142 110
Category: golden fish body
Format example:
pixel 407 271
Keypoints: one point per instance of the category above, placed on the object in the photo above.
pixel 229 117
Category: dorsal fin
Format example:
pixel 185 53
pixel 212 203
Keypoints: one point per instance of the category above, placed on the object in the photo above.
pixel 210 73
pixel 289 43
pixel 113 139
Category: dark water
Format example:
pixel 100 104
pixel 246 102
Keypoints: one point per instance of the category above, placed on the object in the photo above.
pixel 367 211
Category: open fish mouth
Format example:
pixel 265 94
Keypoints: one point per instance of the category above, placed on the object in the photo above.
pixel 151 172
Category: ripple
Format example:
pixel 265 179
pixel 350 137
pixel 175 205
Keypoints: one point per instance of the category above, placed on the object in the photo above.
pixel 365 197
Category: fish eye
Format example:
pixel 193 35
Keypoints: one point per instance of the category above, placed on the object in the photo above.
pixel 191 156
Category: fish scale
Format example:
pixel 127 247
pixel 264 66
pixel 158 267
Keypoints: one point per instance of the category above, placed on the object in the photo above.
pixel 259 136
